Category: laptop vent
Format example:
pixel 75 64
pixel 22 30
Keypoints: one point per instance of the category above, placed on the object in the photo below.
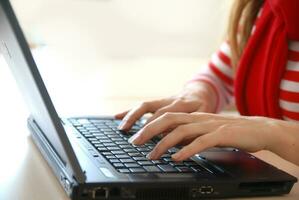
pixel 162 193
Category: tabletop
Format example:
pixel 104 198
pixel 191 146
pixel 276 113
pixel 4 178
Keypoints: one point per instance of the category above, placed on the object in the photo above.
pixel 25 175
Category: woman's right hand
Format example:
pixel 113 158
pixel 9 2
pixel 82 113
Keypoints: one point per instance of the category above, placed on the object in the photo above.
pixel 195 97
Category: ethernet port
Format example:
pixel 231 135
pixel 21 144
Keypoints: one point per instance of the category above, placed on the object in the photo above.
pixel 100 193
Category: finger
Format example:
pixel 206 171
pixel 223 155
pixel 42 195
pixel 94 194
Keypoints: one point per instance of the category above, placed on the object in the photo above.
pixel 121 115
pixel 158 113
pixel 159 125
pixel 184 134
pixel 133 115
pixel 199 144
pixel 175 137
pixel 177 106
pixel 171 120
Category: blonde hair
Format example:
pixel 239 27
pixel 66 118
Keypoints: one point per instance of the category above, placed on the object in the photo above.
pixel 241 21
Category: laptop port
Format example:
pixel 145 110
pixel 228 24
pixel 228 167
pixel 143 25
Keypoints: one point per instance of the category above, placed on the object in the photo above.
pixel 100 193
pixel 206 190
pixel 114 192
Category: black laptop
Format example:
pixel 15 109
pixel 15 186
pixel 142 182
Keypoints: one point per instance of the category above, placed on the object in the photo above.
pixel 92 159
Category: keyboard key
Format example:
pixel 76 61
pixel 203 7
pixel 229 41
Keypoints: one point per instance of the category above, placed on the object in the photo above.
pixel 99 136
pixel 83 121
pixel 96 121
pixel 151 147
pixel 132 154
pixel 106 129
pixel 84 132
pixel 101 149
pixel 129 160
pixel 139 158
pixel 126 137
pixel 131 150
pixel 95 142
pixel 131 165
pixel 121 142
pixel 166 156
pixel 125 146
pixel 89 136
pixel 137 169
pixel 95 132
pixel 122 156
pixel 88 125
pixel 113 148
pixel 110 144
pixel 167 168
pixel 117 152
pixel 105 141
pixel 145 153
pixel 167 159
pixel 142 149
pixel 124 170
pixel 114 160
pixel 99 145
pixel 198 168
pixel 116 139
pixel 177 164
pixel 184 169
pixel 100 126
pixel 106 153
pixel 172 150
pixel 114 136
pixel 151 169
pixel 91 128
pixel 110 157
pixel 149 143
pixel 118 165
pixel 158 162
pixel 143 163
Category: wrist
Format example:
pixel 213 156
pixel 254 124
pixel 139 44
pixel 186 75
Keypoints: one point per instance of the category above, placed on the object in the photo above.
pixel 204 91
pixel 282 137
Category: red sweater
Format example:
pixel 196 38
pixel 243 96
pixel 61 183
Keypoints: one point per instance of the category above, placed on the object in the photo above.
pixel 220 75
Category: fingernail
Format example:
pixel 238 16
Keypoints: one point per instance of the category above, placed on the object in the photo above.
pixel 133 139
pixel 150 155
pixel 122 126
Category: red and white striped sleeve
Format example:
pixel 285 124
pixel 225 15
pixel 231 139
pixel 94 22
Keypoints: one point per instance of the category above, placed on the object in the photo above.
pixel 219 74
pixel 289 86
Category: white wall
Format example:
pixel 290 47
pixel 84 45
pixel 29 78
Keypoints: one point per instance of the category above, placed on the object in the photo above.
pixel 126 28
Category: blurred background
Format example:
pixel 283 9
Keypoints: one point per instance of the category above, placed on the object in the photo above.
pixel 129 50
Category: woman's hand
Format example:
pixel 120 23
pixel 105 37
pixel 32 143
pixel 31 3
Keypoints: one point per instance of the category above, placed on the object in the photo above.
pixel 196 97
pixel 209 130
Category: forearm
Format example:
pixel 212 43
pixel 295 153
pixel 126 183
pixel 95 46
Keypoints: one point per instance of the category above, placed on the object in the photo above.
pixel 284 141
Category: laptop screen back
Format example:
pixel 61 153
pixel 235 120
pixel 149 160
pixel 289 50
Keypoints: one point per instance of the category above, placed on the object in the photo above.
pixel 18 56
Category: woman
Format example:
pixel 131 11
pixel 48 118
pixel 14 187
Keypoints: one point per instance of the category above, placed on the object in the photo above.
pixel 259 67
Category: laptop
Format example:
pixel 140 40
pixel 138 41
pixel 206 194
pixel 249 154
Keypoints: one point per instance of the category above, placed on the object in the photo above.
pixel 92 159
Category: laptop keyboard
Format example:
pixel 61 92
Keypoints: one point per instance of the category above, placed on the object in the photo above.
pixel 113 144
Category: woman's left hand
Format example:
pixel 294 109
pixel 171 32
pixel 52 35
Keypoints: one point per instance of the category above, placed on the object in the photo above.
pixel 202 130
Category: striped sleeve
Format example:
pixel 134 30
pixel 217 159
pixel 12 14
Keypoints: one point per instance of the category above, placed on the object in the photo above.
pixel 289 86
pixel 219 74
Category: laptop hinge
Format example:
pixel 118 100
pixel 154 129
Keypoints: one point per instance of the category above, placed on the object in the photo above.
pixel 67 180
